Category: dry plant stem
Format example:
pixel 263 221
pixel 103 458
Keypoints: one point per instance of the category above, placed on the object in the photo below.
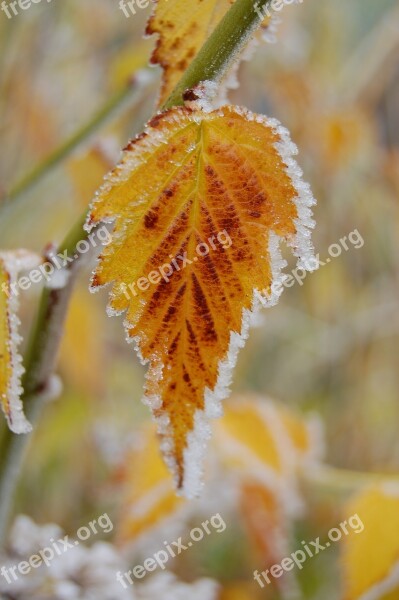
pixel 212 62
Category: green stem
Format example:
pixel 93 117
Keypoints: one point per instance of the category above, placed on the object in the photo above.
pixel 211 63
pixel 65 150
pixel 40 361
pixel 222 47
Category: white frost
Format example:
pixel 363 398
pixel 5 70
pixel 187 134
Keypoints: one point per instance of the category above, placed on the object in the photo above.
pixel 59 279
pixel 205 94
pixel 86 572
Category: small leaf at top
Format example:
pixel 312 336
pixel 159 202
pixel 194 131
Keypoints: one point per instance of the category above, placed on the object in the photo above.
pixel 183 27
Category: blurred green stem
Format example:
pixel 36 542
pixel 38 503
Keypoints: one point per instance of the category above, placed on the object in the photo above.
pixel 213 60
pixel 345 481
pixel 40 361
pixel 31 179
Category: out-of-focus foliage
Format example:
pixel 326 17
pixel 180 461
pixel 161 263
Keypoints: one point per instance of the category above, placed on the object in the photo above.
pixel 331 344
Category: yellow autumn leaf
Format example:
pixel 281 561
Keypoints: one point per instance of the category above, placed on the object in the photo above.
pixel 370 559
pixel 200 202
pixel 11 369
pixel 268 528
pixel 183 27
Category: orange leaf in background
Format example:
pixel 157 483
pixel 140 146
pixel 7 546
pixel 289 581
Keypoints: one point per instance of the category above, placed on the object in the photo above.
pixel 266 520
pixel 371 557
pixel 267 442
pixel 183 28
pixel 11 370
pixel 199 201
pixel 269 529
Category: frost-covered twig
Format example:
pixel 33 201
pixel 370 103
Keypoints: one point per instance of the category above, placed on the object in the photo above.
pixel 37 383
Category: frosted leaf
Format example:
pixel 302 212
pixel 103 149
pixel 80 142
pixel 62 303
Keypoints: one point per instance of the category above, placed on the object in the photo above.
pixel 11 369
pixel 228 172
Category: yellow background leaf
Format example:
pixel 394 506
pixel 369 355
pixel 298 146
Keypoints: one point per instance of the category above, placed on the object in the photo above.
pixel 256 436
pixel 200 201
pixel 371 558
